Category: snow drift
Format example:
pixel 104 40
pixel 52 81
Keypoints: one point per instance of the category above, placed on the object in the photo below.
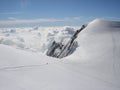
pixel 95 65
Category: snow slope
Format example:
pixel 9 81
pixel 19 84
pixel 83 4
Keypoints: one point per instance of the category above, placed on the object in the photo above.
pixel 95 65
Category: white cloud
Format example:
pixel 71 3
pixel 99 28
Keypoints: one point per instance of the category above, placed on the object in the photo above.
pixel 12 18
pixel 77 18
pixel 25 3
pixel 71 19
pixel 14 21
pixel 105 18
pixel 28 21
pixel 11 12
pixel 112 18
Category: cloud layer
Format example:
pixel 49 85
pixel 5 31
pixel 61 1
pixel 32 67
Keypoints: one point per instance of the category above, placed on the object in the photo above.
pixel 13 20
pixel 28 21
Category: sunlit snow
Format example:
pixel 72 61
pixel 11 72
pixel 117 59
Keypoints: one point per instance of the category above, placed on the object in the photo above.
pixel 95 65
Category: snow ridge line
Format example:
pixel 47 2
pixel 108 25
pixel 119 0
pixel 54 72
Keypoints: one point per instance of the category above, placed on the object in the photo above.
pixel 22 66
pixel 27 66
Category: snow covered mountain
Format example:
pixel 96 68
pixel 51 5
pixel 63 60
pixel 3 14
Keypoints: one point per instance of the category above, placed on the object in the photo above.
pixel 95 65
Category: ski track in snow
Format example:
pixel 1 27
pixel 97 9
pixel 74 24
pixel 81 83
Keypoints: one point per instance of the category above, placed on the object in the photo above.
pixel 61 67
pixel 86 74
pixel 12 68
pixel 115 60
pixel 114 54
pixel 21 67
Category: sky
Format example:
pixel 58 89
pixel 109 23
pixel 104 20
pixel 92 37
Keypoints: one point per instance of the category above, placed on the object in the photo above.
pixel 56 12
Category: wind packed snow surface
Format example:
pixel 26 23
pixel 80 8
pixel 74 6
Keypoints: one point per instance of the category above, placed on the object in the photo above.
pixel 95 65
